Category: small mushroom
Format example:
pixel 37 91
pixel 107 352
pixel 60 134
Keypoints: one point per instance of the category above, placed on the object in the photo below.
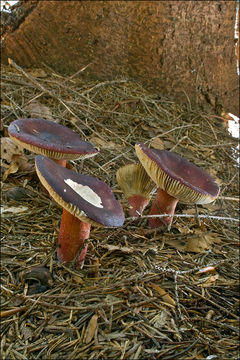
pixel 85 200
pixel 137 187
pixel 48 138
pixel 177 180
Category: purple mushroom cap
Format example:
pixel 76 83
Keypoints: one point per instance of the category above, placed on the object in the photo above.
pixel 89 199
pixel 48 138
pixel 177 176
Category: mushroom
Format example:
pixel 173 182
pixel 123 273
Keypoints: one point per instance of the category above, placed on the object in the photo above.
pixel 177 180
pixel 85 200
pixel 48 138
pixel 137 187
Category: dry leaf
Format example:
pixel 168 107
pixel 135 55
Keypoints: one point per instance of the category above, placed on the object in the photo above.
pixel 189 211
pixel 206 269
pixel 209 280
pixel 13 209
pixel 123 249
pixel 103 144
pixel 213 173
pixel 38 110
pixel 39 73
pixel 157 143
pixel 109 299
pixel 27 333
pixel 78 279
pixel 164 295
pixel 196 243
pixel 145 127
pixel 13 168
pixel 183 229
pixel 8 149
pixel 13 158
pixel 161 319
pixel 91 329
pixel 211 207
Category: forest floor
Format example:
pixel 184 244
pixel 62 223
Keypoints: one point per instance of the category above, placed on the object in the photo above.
pixel 142 293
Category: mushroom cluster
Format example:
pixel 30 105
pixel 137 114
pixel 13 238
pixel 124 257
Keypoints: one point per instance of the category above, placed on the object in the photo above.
pixel 85 200
pixel 88 201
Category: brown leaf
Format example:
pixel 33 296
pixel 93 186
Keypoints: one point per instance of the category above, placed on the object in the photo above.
pixel 157 143
pixel 8 149
pixel 206 269
pixel 196 243
pixel 39 73
pixel 103 144
pixel 38 110
pixel 13 168
pixel 27 333
pixel 78 279
pixel 13 158
pixel 183 229
pixel 91 329
pixel 123 249
pixel 23 163
pixel 164 295
pixel 209 280
pixel 162 319
pixel 13 210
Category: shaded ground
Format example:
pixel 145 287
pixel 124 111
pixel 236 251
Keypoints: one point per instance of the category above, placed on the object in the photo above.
pixel 142 294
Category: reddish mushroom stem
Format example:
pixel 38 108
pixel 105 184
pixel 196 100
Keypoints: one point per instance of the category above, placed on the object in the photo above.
pixel 61 162
pixel 137 204
pixel 72 234
pixel 162 204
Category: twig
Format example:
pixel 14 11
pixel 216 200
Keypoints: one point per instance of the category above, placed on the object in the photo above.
pixel 12 311
pixel 176 128
pixel 178 355
pixel 183 138
pixel 196 269
pixel 186 216
pixel 176 294
pixel 212 302
pixel 111 82
pixel 78 72
pixel 228 198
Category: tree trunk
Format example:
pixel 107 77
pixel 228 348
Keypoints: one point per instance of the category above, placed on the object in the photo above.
pixel 182 49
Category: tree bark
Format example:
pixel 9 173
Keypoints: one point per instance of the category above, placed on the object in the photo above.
pixel 181 49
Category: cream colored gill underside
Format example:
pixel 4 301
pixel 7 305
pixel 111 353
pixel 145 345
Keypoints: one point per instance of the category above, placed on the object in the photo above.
pixel 49 153
pixel 133 180
pixel 173 187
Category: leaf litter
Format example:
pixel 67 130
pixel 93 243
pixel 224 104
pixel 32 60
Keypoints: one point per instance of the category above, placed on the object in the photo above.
pixel 142 293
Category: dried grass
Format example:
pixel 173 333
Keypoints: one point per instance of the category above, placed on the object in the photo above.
pixel 137 296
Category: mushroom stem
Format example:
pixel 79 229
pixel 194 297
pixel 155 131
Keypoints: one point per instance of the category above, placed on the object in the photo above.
pixel 72 234
pixel 162 204
pixel 61 162
pixel 137 204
